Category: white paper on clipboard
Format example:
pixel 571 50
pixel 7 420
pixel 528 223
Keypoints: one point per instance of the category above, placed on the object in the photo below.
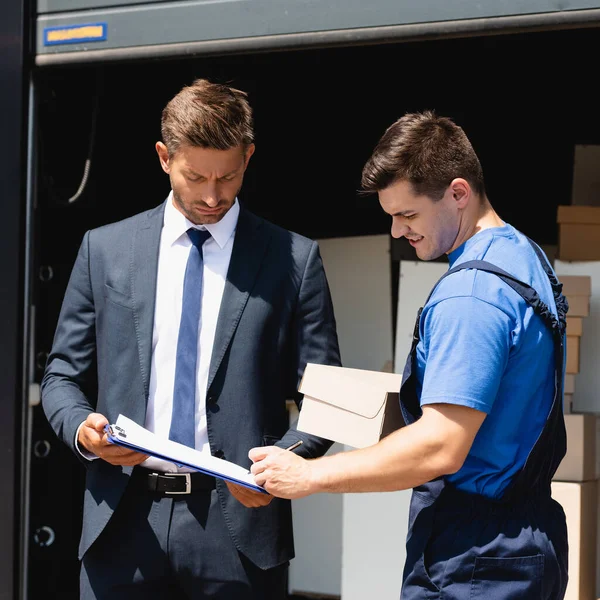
pixel 129 434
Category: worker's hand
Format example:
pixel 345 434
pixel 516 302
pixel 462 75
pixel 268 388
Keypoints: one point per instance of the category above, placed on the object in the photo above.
pixel 282 473
pixel 93 439
pixel 248 497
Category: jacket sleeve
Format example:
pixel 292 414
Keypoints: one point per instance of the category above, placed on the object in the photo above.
pixel 70 369
pixel 315 341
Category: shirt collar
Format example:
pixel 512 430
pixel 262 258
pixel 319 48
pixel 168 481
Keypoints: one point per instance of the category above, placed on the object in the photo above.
pixel 480 237
pixel 175 224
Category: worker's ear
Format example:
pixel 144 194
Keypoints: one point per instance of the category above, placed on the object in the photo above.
pixel 461 192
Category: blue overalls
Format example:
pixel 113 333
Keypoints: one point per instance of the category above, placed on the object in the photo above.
pixel 463 546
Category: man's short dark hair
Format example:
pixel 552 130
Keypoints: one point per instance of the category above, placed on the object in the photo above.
pixel 426 150
pixel 207 115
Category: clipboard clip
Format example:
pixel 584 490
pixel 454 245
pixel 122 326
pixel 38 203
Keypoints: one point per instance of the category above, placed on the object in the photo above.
pixel 115 430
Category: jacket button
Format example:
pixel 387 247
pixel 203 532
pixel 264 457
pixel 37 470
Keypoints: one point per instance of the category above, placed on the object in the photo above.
pixel 220 454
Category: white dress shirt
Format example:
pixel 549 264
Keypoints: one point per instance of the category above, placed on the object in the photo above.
pixel 174 250
pixel 175 247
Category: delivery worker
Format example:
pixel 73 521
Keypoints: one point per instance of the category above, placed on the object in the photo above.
pixel 481 392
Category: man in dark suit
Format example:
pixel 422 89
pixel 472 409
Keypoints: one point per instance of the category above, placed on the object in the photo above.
pixel 196 319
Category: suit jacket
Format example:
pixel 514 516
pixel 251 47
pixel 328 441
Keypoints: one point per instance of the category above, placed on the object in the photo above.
pixel 276 315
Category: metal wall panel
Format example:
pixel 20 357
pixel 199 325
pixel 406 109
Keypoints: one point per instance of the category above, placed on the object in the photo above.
pixel 50 6
pixel 190 21
pixel 410 12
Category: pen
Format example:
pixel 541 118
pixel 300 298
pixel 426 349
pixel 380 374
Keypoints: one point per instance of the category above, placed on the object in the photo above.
pixel 294 446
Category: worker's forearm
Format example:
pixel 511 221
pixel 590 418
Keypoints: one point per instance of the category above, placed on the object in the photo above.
pixel 404 459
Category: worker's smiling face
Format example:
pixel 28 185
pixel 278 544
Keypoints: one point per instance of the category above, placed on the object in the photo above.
pixel 431 226
pixel 205 181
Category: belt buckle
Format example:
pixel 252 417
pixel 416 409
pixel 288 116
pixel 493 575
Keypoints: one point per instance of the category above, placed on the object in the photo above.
pixel 188 483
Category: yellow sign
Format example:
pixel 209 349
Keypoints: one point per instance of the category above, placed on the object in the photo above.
pixel 74 34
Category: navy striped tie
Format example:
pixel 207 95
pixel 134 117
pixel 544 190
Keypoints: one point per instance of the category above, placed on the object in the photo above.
pixel 183 419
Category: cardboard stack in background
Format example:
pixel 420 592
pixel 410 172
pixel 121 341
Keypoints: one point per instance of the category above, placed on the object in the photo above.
pixel 579 472
pixel 575 484
pixel 577 290
pixel 579 232
pixel 579 223
pixel 580 502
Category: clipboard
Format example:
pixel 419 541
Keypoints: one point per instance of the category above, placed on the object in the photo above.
pixel 129 434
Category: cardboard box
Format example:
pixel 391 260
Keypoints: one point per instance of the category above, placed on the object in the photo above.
pixel 569 383
pixel 579 306
pixel 586 176
pixel 579 232
pixel 579 501
pixel 576 285
pixel 575 326
pixel 583 441
pixel 573 354
pixel 587 394
pixel 577 289
pixel 350 406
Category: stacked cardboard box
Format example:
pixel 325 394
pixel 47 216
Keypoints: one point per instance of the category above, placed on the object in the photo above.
pixel 575 484
pixel 578 290
pixel 582 462
pixel 586 385
pixel 579 240
pixel 579 232
pixel 575 487
pixel 580 503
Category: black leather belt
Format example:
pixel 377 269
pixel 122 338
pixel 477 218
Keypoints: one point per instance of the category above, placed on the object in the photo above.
pixel 168 484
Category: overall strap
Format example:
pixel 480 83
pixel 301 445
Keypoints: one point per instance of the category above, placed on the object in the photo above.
pixel 556 325
pixel 562 306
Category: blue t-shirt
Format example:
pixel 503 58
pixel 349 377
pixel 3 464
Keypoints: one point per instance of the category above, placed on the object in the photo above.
pixel 483 347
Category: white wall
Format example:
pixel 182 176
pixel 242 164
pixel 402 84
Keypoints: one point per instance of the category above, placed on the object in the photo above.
pixel 359 273
pixel 417 279
pixel 318 541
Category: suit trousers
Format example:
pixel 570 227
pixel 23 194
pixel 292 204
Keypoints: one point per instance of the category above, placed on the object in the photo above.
pixel 171 548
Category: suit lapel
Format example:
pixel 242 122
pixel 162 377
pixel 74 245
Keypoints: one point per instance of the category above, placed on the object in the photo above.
pixel 249 248
pixel 144 268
